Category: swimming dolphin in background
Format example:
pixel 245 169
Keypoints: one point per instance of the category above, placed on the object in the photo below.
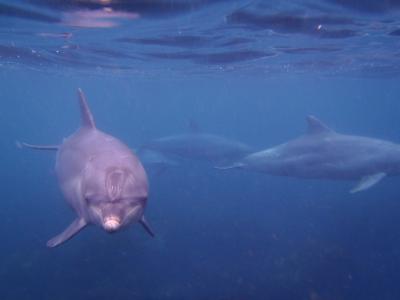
pixel 325 154
pixel 200 146
pixel 100 177
pixel 156 162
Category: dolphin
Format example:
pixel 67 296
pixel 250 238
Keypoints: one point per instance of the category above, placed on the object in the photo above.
pixel 100 177
pixel 200 146
pixel 322 153
pixel 156 161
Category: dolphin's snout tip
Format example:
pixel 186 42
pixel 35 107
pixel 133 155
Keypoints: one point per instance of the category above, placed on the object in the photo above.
pixel 111 223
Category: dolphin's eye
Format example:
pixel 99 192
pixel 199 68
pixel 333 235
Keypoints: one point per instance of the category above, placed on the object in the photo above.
pixel 131 201
pixel 88 201
pixel 140 200
pixel 93 199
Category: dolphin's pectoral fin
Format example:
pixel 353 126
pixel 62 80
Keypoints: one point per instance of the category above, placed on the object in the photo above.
pixel 76 226
pixel 36 147
pixel 146 226
pixel 231 166
pixel 368 181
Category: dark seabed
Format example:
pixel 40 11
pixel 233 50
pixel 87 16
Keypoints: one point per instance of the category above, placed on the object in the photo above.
pixel 250 71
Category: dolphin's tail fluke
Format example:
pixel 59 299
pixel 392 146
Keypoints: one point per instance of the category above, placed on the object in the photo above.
pixel 21 145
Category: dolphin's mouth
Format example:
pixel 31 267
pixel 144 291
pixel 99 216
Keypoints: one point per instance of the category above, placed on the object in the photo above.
pixel 111 223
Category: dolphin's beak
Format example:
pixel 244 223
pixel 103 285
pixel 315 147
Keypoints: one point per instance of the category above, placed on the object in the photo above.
pixel 111 223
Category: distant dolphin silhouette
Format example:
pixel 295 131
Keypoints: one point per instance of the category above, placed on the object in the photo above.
pixel 100 177
pixel 200 146
pixel 155 162
pixel 325 154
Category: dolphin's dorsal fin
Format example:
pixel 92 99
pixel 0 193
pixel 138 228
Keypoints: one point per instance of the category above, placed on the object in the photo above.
pixel 315 126
pixel 194 127
pixel 86 116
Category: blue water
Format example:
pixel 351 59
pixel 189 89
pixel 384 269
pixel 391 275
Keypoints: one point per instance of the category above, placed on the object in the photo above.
pixel 247 70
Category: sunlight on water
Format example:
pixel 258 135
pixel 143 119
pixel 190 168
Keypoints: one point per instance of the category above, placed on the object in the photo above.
pixel 252 37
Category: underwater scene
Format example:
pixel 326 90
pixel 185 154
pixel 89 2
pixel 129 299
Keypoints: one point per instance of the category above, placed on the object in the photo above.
pixel 199 149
